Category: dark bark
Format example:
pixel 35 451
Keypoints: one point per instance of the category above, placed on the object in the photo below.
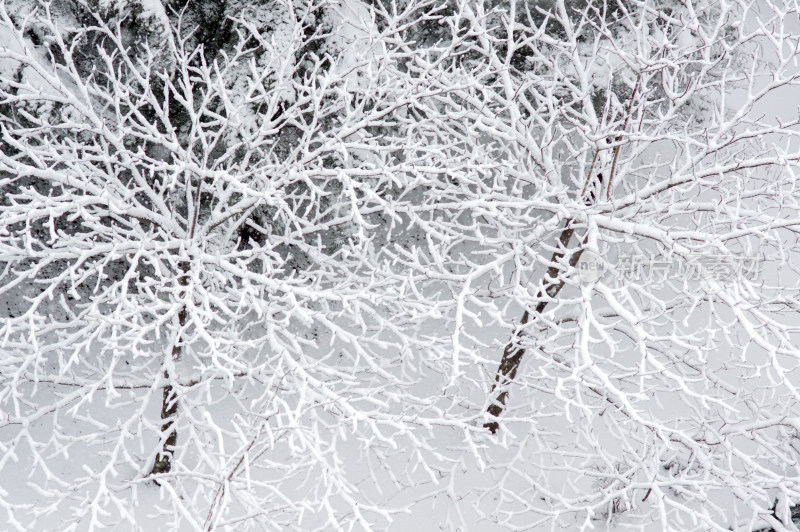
pixel 513 353
pixel 169 411
pixel 794 516
pixel 169 402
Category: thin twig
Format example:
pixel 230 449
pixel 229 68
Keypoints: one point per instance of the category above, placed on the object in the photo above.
pixel 624 128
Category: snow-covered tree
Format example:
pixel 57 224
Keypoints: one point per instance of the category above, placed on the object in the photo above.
pixel 313 264
pixel 664 389
pixel 192 298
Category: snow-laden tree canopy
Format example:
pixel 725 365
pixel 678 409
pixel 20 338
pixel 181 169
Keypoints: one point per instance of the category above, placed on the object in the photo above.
pixel 466 265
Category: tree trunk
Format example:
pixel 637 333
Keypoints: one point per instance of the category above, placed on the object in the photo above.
pixel 513 353
pixel 169 402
